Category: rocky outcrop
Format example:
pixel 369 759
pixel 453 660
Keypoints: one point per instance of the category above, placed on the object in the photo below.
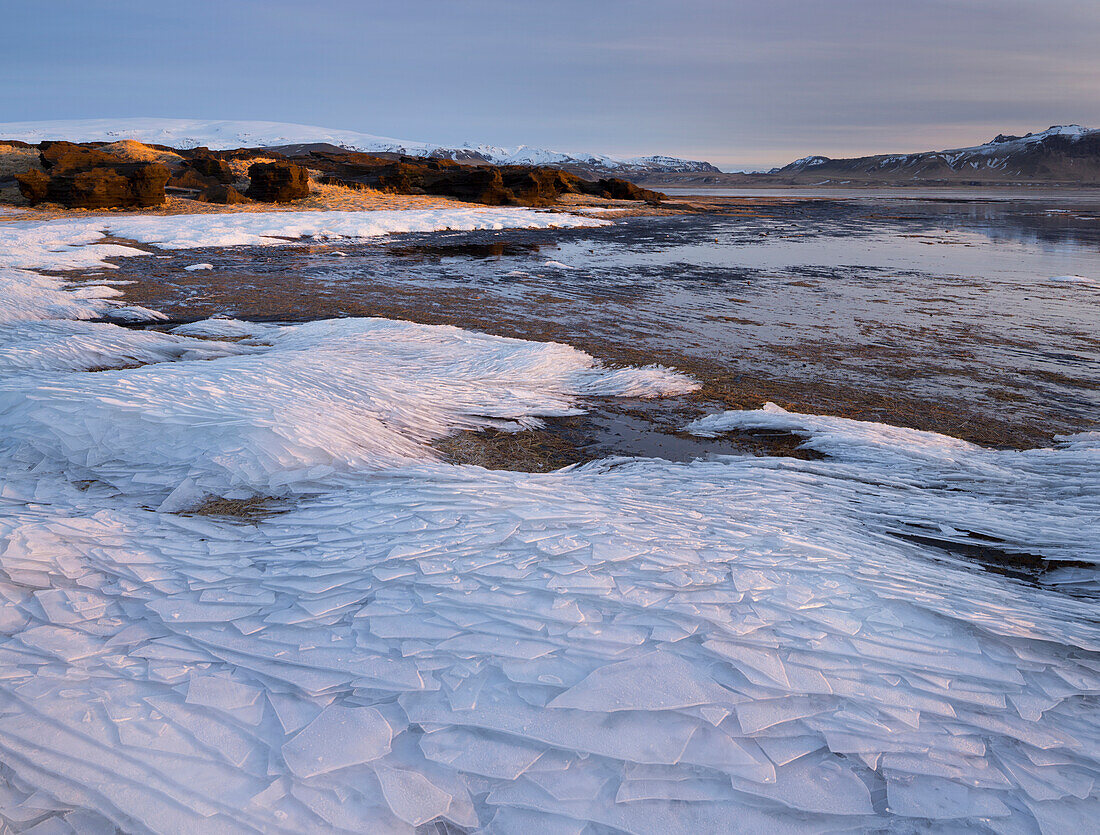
pixel 33 185
pixel 130 185
pixel 277 182
pixel 211 166
pixel 68 156
pixel 514 185
pixel 78 177
pixel 540 186
pixel 618 189
pixel 222 194
pixel 188 182
pixel 471 184
pixel 189 179
pixel 129 174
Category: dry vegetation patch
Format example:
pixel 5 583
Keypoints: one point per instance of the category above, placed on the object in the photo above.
pixel 253 509
pixel 16 160
pixel 128 150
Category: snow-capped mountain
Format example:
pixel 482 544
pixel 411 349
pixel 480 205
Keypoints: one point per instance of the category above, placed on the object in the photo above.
pixel 1063 153
pixel 191 133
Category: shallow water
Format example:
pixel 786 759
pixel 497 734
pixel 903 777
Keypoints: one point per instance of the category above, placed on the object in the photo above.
pixel 948 303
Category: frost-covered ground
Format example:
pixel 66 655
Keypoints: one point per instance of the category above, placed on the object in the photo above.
pixel 744 644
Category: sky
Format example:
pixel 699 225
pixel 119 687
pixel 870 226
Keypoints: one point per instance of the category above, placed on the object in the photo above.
pixel 740 84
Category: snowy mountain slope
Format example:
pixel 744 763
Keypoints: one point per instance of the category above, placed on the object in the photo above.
pixel 1060 153
pixel 191 133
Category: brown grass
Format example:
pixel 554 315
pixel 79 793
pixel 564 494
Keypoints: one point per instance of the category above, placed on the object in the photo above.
pixel 322 198
pixel 252 509
pixel 130 151
pixel 531 451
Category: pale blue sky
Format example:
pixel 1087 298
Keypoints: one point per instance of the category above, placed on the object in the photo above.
pixel 738 83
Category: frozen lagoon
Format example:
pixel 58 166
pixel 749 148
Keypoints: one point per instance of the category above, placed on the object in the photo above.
pixel 740 644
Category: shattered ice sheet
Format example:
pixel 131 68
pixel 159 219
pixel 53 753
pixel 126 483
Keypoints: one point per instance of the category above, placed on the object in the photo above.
pixel 744 644
pixel 928 485
pixel 654 647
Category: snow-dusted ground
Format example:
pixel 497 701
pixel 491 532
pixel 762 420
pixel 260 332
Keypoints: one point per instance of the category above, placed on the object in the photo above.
pixel 65 244
pixel 215 134
pixel 746 644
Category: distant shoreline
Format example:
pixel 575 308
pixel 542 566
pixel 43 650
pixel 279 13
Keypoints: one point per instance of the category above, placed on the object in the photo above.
pixel 907 192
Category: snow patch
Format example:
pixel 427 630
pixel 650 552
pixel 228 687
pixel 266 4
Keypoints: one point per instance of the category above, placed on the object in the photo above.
pixel 68 244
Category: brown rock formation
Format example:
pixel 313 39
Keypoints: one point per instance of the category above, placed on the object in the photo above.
pixel 189 178
pixel 81 177
pixel 221 194
pixel 211 166
pixel 488 184
pixel 33 185
pixel 277 182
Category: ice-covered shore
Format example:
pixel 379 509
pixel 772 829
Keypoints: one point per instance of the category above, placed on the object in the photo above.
pixel 746 644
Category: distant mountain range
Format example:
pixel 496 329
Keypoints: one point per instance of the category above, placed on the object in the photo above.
pixel 1063 155
pixel 221 135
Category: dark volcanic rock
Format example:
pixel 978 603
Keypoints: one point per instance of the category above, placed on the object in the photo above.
pixel 79 177
pixel 540 186
pixel 132 185
pixel 210 166
pixel 189 178
pixel 68 156
pixel 33 185
pixel 347 164
pixel 277 182
pixel 474 185
pixel 82 177
pixel 618 189
pixel 220 193
pixel 491 185
pixel 396 178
